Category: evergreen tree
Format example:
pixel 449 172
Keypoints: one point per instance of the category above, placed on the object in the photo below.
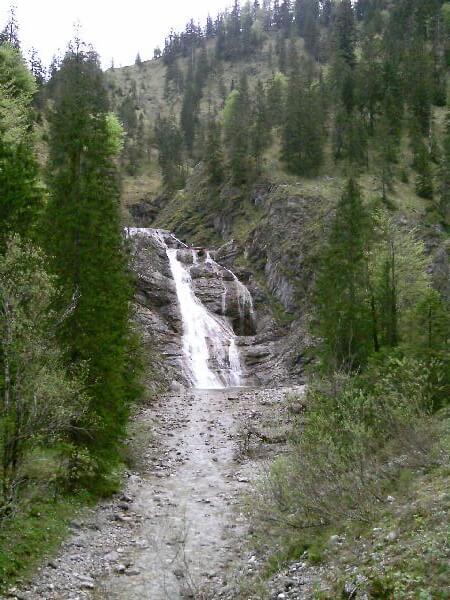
pixel 236 124
pixel 189 118
pixel 419 86
pixel 303 139
pixel 260 131
pixel 344 32
pixel 170 147
pixel 307 24
pixel 343 314
pixel 37 68
pixel 445 176
pixel 424 179
pixel 385 147
pixel 213 152
pixel 280 48
pixel 84 239
pixel 20 195
pixel 10 34
pixel 276 100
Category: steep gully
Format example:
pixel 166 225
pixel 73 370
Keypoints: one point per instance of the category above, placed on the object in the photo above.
pixel 175 530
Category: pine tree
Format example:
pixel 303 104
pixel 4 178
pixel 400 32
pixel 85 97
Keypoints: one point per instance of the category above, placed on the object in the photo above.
pixel 424 179
pixel 276 100
pixel 189 108
pixel 385 146
pixel 236 124
pixel 170 144
pixel 303 139
pixel 343 315
pixel 10 34
pixel 84 239
pixel 260 131
pixel 344 32
pixel 307 23
pixel 444 176
pixel 20 194
pixel 213 156
pixel 37 68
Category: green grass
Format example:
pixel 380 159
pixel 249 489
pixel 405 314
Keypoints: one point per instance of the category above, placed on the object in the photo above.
pixel 33 535
pixel 41 517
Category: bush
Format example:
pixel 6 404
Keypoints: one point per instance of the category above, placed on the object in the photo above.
pixel 360 433
pixel 39 398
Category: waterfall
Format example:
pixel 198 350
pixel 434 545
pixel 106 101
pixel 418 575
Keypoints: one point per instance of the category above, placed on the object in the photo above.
pixel 209 343
pixel 245 300
pixel 211 355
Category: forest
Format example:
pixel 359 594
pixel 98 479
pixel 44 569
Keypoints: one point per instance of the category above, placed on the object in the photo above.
pixel 300 149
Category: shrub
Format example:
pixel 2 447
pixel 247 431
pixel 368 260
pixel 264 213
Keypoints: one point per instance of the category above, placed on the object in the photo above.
pixel 359 434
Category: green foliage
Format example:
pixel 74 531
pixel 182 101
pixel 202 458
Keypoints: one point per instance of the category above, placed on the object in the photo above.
pixel 260 132
pixel 17 87
pixel 399 279
pixel 424 179
pixel 236 120
pixel 303 132
pixel 39 400
pixel 444 176
pixel 84 238
pixel 35 532
pixel 343 458
pixel 372 276
pixel 213 152
pixel 20 196
pixel 115 135
pixel 342 310
pixel 170 158
pixel 276 93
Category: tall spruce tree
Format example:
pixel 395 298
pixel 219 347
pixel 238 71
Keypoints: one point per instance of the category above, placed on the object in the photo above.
pixel 20 194
pixel 236 123
pixel 343 314
pixel 213 156
pixel 83 236
pixel 170 147
pixel 444 176
pixel 303 134
pixel 260 131
pixel 10 33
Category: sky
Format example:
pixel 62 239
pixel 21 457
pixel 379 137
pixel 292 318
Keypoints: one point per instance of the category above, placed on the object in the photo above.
pixel 118 29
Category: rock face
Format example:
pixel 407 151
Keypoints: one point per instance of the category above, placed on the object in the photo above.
pixel 218 289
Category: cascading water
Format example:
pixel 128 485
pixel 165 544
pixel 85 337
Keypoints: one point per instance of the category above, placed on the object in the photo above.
pixel 209 344
pixel 211 355
pixel 245 300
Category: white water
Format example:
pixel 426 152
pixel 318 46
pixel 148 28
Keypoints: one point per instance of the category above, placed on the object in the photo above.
pixel 209 343
pixel 245 300
pixel 211 355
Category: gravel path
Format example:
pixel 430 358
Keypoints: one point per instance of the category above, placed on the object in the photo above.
pixel 176 529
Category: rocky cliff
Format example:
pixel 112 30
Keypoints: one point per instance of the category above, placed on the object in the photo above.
pixel 259 341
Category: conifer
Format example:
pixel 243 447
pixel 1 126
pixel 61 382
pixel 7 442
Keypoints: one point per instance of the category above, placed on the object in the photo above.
pixel 84 239
pixel 343 316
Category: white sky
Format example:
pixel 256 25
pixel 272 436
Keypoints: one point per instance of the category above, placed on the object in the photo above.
pixel 117 29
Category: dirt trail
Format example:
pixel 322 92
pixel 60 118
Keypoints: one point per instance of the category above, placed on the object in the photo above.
pixel 174 530
pixel 188 526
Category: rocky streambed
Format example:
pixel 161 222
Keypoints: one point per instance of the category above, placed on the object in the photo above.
pixel 177 529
